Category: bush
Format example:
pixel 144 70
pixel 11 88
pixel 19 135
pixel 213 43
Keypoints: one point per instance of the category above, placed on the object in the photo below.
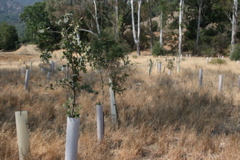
pixel 154 26
pixel 158 50
pixel 9 37
pixel 236 53
pixel 218 61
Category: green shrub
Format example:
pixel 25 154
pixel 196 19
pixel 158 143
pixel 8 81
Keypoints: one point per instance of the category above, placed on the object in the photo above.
pixel 154 26
pixel 218 61
pixel 236 53
pixel 158 50
pixel 9 37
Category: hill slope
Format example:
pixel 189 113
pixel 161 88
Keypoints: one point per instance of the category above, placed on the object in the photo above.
pixel 10 10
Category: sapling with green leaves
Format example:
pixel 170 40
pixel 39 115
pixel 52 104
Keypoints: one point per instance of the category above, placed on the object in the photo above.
pixel 111 58
pixel 76 54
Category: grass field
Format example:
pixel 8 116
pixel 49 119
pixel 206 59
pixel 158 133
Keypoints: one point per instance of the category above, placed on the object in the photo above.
pixel 161 116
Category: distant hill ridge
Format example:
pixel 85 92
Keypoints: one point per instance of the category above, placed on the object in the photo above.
pixel 10 10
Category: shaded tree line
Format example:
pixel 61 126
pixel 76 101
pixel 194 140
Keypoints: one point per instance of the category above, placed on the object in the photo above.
pixel 201 28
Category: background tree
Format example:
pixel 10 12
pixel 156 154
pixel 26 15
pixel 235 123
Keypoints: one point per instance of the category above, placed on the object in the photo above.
pixel 136 35
pixel 230 8
pixel 181 7
pixel 36 19
pixel 8 37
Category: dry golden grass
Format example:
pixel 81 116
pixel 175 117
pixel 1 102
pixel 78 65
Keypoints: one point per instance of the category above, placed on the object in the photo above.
pixel 160 116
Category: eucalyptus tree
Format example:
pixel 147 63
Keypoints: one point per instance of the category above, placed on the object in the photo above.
pixel 36 18
pixel 181 7
pixel 230 8
pixel 199 19
pixel 197 5
pixel 164 9
pixel 136 35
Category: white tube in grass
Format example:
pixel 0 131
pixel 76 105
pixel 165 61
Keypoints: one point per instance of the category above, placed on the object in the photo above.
pixel 48 76
pixel 149 70
pixel 220 84
pixel 22 70
pixel 62 68
pixel 239 81
pixel 31 63
pixel 72 136
pixel 169 72
pixel 100 122
pixel 22 134
pixel 112 103
pixel 207 59
pixel 52 66
pixel 178 67
pixel 67 72
pixel 26 80
pixel 200 78
pixel 159 67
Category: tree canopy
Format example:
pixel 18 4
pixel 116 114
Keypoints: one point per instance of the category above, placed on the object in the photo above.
pixel 8 37
pixel 206 25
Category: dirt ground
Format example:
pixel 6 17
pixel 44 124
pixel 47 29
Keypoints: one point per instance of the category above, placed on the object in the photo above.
pixel 24 53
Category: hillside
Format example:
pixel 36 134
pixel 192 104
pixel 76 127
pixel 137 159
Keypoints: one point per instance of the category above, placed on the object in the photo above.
pixel 10 10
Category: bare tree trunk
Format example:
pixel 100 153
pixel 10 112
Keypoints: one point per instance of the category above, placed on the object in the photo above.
pixel 180 27
pixel 96 16
pixel 136 37
pixel 150 25
pixel 234 25
pixel 117 20
pixel 161 30
pixel 198 24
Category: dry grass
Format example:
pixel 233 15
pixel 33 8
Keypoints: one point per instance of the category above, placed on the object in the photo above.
pixel 160 116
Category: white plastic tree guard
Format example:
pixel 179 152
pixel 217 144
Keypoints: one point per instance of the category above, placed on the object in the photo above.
pixel 67 72
pixel 149 70
pixel 72 135
pixel 31 64
pixel 239 81
pixel 52 66
pixel 26 79
pixel 48 76
pixel 100 122
pixel 178 67
pixel 200 78
pixel 22 134
pixel 112 103
pixel 220 84
pixel 159 67
pixel 169 72
pixel 22 70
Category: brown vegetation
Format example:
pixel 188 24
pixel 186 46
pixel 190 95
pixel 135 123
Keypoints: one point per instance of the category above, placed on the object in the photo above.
pixel 160 116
